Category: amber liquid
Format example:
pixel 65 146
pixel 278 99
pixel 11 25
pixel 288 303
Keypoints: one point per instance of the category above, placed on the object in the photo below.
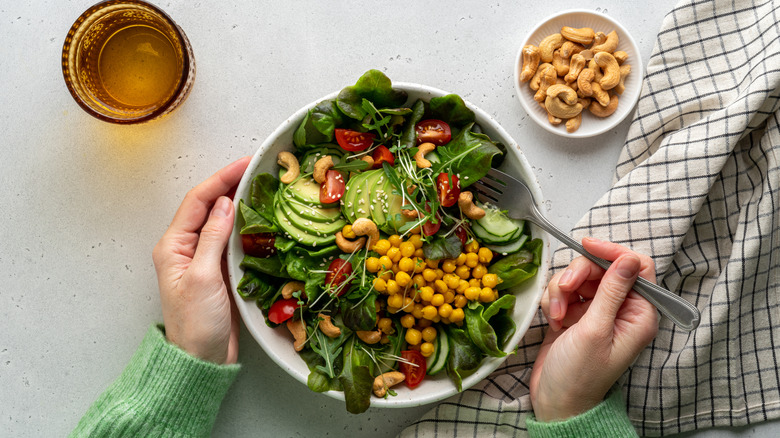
pixel 138 67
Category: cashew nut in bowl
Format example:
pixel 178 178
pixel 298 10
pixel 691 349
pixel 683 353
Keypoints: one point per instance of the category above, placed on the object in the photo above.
pixel 290 287
pixel 298 330
pixel 549 78
pixel 609 45
pixel 419 157
pixel 549 45
pixel 570 48
pixel 625 70
pixel 610 68
pixel 327 327
pixel 599 110
pixel 349 246
pixel 576 65
pixel 369 337
pixel 584 82
pixel 620 56
pixel 562 102
pixel 531 59
pixel 289 162
pixel 366 227
pixel 321 168
pixel 560 64
pixel 601 96
pixel 554 120
pixel 574 123
pixel 583 35
pixel 535 81
pixel 467 206
pixel 387 380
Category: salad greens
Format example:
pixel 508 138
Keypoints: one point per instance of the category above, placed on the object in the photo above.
pixel 433 293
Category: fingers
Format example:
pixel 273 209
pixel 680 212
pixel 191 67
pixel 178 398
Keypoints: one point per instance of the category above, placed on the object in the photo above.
pixel 214 235
pixel 196 204
pixel 611 251
pixel 615 286
pixel 567 287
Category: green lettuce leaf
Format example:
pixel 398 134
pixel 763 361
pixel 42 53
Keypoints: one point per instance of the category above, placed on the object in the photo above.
pixel 518 267
pixel 482 334
pixel 374 86
pixel 409 134
pixel 468 155
pixel 464 357
pixel 356 377
pixel 253 221
pixel 451 109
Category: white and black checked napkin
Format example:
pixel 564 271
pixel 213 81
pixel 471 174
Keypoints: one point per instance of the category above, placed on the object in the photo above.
pixel 697 187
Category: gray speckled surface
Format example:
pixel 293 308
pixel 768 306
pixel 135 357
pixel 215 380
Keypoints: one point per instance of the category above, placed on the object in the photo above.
pixel 83 202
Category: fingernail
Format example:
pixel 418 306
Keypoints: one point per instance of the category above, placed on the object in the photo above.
pixel 627 267
pixel 555 308
pixel 555 325
pixel 565 277
pixel 221 207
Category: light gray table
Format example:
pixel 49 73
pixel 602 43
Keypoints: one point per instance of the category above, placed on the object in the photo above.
pixel 83 202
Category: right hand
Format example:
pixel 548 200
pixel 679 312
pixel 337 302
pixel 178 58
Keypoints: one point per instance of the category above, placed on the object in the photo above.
pixel 598 328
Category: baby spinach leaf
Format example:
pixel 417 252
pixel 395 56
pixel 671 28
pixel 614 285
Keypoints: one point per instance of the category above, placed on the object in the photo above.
pixel 356 377
pixel 451 109
pixel 468 155
pixel 319 381
pixel 409 134
pixel 374 86
pixel 268 265
pixel 261 195
pixel 300 261
pixel 464 357
pixel 253 221
pixel 326 117
pixel 282 243
pixel 255 285
pixel 307 135
pixel 360 314
pixel 440 247
pixel 479 329
pixel 517 267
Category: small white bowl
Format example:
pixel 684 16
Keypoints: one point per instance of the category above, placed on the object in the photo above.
pixel 591 125
pixel 278 343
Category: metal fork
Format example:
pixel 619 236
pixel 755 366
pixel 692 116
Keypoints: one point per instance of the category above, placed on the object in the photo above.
pixel 503 190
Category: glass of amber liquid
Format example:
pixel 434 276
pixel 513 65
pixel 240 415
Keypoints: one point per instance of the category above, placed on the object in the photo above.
pixel 127 62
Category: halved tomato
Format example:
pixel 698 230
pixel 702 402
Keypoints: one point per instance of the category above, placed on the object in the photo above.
pixel 414 370
pixel 339 271
pixel 382 155
pixel 354 141
pixel 332 189
pixel 462 234
pixel 259 244
pixel 448 187
pixel 433 131
pixel 282 310
pixel 429 228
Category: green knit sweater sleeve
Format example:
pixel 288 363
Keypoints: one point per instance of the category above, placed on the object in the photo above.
pixel 163 392
pixel 608 418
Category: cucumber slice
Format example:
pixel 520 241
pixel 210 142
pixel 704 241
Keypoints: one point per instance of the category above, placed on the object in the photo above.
pixel 499 225
pixel 442 352
pixel 509 247
pixel 485 237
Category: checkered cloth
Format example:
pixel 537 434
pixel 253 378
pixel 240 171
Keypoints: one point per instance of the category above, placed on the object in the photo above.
pixel 697 187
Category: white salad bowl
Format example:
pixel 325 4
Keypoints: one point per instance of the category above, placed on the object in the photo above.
pixel 591 125
pixel 278 342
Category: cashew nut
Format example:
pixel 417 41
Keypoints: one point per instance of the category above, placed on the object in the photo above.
pixel 467 206
pixel 610 68
pixel 574 123
pixel 560 64
pixel 562 102
pixel 290 287
pixel 410 214
pixel 369 337
pixel 625 70
pixel 585 102
pixel 289 162
pixel 609 45
pixel 549 45
pixel 534 83
pixel 349 246
pixel 387 380
pixel 599 110
pixel 366 227
pixel 368 159
pixel 554 120
pixel 597 74
pixel 419 157
pixel 576 65
pixel 569 48
pixel 321 168
pixel 584 81
pixel 531 59
pixel 620 56
pixel 587 54
pixel 549 77
pixel 583 35
pixel 298 330
pixel 601 96
pixel 327 327
pixel 599 38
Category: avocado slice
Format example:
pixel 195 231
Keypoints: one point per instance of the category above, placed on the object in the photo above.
pixel 297 234
pixel 305 190
pixel 310 226
pixel 377 198
pixel 312 212
pixel 362 203
pixel 350 192
pixel 395 219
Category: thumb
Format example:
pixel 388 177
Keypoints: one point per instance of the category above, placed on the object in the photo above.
pixel 215 233
pixel 614 287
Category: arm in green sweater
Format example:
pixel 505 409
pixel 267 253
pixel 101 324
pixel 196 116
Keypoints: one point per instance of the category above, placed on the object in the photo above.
pixel 608 418
pixel 163 392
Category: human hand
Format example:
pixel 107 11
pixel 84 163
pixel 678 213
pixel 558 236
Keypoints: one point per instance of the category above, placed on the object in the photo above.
pixel 598 326
pixel 198 310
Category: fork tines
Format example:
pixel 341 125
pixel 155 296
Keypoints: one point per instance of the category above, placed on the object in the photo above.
pixel 491 186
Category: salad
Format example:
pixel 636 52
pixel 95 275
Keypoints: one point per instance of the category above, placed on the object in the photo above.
pixel 370 249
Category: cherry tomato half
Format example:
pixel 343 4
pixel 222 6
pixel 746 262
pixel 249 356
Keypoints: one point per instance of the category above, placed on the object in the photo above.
pixel 382 155
pixel 354 141
pixel 462 235
pixel 282 310
pixel 338 272
pixel 433 131
pixel 429 228
pixel 332 189
pixel 259 244
pixel 414 374
pixel 448 193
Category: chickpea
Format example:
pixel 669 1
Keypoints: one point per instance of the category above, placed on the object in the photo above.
pixel 380 285
pixel 430 312
pixel 445 310
pixel 437 300
pixel 381 246
pixel 426 349
pixel 386 325
pixel 407 321
pixel 429 334
pixel 490 280
pixel 457 315
pixel 407 249
pixel 406 264
pixel 426 293
pixel 395 240
pixel 413 336
pixel 485 255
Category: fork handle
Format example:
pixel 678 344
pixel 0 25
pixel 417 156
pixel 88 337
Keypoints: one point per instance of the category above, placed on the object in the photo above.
pixel 679 311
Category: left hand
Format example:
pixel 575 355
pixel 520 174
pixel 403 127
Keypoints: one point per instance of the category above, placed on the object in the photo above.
pixel 198 311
